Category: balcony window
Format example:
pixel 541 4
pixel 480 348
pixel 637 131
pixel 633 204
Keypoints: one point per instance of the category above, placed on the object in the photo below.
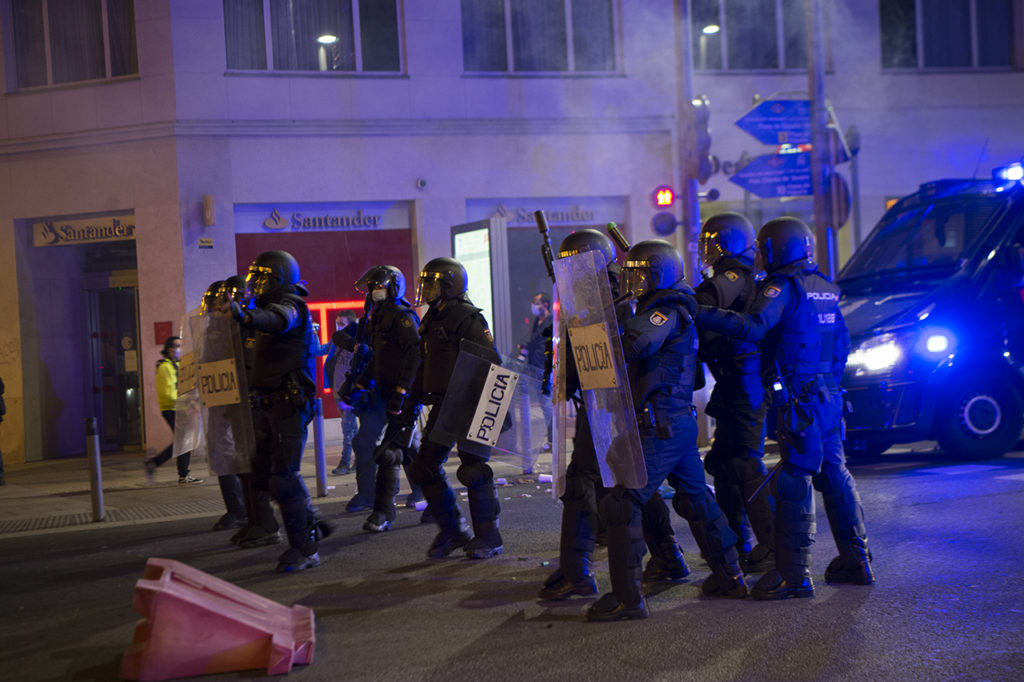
pixel 539 36
pixel 68 41
pixel 748 35
pixel 312 35
pixel 948 34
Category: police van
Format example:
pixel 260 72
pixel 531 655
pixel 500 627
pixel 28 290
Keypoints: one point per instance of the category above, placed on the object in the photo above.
pixel 934 299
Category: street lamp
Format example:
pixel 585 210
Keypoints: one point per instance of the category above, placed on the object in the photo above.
pixel 325 41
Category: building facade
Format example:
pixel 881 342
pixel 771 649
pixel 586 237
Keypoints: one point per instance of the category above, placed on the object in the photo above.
pixel 150 148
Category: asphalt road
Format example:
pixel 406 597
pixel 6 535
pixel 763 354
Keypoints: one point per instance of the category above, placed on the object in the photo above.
pixel 948 605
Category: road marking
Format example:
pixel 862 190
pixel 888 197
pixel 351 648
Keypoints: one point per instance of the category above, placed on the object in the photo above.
pixel 1011 477
pixel 962 469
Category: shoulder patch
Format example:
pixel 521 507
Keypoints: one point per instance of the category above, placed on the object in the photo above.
pixel 772 291
pixel 658 319
pixel 731 276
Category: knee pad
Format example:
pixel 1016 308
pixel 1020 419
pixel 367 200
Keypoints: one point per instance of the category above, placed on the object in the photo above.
pixel 617 507
pixel 684 506
pixel 389 456
pixel 791 485
pixel 473 473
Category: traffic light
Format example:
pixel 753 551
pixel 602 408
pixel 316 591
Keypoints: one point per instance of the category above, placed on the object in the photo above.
pixel 662 196
pixel 664 223
pixel 696 140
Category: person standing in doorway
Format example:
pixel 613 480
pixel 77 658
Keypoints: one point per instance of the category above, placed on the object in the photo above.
pixel 167 396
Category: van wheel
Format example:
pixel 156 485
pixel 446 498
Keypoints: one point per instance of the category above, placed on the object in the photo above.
pixel 980 418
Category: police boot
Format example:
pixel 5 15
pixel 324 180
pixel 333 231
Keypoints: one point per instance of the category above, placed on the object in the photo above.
pixel 666 563
pixel 299 526
pixel 483 510
pixel 625 558
pixel 853 565
pixel 454 531
pixel 386 490
pixel 794 534
pixel 262 527
pixel 575 575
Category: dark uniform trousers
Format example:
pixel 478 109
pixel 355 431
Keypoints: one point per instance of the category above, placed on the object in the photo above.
pixel 474 472
pixel 678 460
pixel 377 476
pixel 280 439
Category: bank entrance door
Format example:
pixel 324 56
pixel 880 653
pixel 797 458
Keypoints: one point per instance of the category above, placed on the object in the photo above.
pixel 114 362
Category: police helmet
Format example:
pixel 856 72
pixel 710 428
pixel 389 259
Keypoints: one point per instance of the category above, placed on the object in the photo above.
pixel 651 264
pixel 441 279
pixel 232 289
pixel 272 271
pixel 210 297
pixel 382 276
pixel 726 235
pixel 783 241
pixel 584 240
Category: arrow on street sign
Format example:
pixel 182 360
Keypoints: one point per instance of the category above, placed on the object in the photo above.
pixel 776 175
pixel 779 121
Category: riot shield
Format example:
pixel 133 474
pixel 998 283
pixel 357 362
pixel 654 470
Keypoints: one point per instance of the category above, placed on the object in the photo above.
pixel 187 418
pixel 560 447
pixel 227 430
pixel 587 312
pixel 493 410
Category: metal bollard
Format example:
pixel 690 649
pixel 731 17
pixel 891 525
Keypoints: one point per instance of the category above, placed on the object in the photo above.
pixel 318 449
pixel 92 446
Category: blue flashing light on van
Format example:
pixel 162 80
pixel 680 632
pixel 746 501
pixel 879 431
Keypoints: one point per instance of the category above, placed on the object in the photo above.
pixel 934 299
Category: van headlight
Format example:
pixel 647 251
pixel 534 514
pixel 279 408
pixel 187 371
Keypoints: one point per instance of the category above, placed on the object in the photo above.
pixel 875 355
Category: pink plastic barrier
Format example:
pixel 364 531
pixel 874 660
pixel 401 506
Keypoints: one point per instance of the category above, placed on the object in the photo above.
pixel 196 624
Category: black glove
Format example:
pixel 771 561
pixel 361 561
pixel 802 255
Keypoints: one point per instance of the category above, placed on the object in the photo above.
pixel 343 341
pixel 395 402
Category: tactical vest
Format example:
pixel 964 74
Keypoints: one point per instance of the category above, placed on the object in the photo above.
pixel 293 353
pixel 733 356
pixel 387 354
pixel 440 334
pixel 803 341
pixel 667 375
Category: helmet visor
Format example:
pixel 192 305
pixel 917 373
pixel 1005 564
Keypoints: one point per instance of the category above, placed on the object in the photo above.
pixel 708 250
pixel 636 278
pixel 428 289
pixel 258 282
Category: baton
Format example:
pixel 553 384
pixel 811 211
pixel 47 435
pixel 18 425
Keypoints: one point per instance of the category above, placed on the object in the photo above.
pixel 767 478
pixel 545 248
pixel 620 241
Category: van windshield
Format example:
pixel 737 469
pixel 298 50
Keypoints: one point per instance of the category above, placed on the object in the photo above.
pixel 925 237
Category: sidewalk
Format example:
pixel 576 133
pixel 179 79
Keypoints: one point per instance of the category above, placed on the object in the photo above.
pixel 56 494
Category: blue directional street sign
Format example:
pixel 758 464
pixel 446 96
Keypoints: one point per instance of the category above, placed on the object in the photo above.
pixel 779 121
pixel 776 175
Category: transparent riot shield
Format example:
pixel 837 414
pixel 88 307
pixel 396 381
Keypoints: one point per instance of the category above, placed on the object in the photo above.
pixel 227 434
pixel 493 410
pixel 187 418
pixel 560 445
pixel 587 314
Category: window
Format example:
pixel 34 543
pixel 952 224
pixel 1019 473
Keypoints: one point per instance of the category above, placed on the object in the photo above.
pixel 539 36
pixel 945 34
pixel 748 34
pixel 72 40
pixel 312 35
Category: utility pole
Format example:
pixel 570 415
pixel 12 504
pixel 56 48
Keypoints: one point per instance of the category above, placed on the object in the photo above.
pixel 821 157
pixel 684 113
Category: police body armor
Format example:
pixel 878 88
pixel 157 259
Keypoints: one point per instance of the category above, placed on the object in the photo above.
pixel 388 357
pixel 663 381
pixel 736 291
pixel 279 357
pixel 439 332
pixel 803 343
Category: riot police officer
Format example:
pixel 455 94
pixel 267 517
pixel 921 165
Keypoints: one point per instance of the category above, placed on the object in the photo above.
pixel 450 319
pixel 738 402
pixel 395 357
pixel 660 347
pixel 282 393
pixel 583 486
pixel 796 314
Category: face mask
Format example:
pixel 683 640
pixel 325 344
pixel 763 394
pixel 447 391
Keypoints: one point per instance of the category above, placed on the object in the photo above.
pixel 536 310
pixel 379 295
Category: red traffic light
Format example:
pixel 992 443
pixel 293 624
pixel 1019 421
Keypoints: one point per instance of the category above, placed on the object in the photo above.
pixel 662 196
